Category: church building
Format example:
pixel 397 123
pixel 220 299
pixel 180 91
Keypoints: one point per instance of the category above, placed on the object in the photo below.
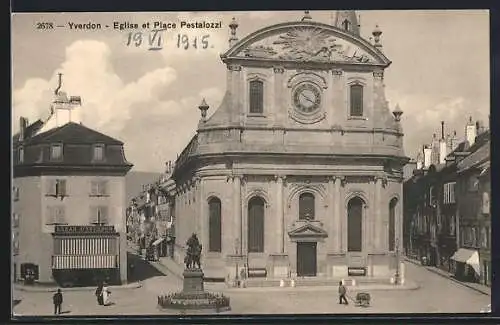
pixel 299 171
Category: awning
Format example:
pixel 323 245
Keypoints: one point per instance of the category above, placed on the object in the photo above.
pixel 158 241
pixel 467 256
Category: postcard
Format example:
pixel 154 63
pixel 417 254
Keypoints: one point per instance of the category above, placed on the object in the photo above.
pixel 233 163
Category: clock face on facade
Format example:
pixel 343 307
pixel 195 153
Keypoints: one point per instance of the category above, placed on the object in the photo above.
pixel 307 98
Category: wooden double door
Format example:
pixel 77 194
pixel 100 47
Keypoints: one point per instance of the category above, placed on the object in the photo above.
pixel 306 258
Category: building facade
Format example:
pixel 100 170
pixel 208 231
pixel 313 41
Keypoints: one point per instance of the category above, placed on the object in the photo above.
pixel 446 213
pixel 299 171
pixel 474 258
pixel 69 201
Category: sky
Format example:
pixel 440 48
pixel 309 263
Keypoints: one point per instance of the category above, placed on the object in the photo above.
pixel 440 71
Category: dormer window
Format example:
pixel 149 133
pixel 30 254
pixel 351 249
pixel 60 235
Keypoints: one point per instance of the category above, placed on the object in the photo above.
pixel 56 152
pixel 256 97
pixel 98 152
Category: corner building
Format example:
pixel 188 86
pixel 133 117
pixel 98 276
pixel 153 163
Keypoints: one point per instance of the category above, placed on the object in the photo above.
pixel 299 171
pixel 68 200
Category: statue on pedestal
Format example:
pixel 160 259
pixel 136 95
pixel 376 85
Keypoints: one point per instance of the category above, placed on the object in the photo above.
pixel 193 254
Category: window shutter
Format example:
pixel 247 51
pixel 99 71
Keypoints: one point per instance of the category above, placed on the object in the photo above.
pixel 62 187
pixel 103 188
pixel 103 215
pixel 60 215
pixel 94 185
pixel 50 216
pixel 51 187
pixel 93 215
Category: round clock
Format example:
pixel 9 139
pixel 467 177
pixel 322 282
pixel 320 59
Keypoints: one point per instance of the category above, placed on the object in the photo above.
pixel 307 98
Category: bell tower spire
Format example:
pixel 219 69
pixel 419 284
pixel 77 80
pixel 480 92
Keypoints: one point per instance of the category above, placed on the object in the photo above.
pixel 347 20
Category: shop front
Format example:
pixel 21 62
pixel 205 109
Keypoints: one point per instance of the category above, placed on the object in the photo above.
pixel 85 255
pixel 467 265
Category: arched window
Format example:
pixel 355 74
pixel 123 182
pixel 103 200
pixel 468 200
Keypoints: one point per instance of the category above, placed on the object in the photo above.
pixel 306 206
pixel 355 225
pixel 392 224
pixel 356 102
pixel 214 225
pixel 256 97
pixel 256 225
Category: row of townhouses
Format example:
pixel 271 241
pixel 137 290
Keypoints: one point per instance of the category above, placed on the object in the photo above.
pixel 150 217
pixel 68 200
pixel 447 205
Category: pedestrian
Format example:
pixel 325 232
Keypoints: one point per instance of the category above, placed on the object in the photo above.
pixel 342 293
pixel 105 295
pixel 58 300
pixel 98 294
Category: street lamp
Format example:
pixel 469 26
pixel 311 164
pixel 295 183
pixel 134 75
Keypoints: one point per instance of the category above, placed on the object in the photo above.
pixel 396 276
pixel 236 253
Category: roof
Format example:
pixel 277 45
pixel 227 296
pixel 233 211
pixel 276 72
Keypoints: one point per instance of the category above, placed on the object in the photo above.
pixel 72 133
pixel 481 155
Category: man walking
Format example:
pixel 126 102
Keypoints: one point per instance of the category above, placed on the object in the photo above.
pixel 342 293
pixel 57 300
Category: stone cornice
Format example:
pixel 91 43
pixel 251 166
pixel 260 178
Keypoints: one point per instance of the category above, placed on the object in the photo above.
pixel 39 170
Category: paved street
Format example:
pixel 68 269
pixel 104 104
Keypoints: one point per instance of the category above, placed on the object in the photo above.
pixel 436 294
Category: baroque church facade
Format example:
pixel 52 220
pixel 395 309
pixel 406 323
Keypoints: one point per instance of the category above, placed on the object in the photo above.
pixel 299 171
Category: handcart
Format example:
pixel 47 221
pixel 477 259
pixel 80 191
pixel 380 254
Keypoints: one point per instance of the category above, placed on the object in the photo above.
pixel 363 299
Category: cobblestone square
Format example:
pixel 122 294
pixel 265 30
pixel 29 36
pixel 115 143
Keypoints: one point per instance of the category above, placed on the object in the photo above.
pixel 435 295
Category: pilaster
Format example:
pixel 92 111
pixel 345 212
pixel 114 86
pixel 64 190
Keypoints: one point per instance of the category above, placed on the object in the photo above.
pixel 280 222
pixel 278 104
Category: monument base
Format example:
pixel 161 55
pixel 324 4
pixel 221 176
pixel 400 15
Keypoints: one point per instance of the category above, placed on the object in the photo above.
pixel 193 296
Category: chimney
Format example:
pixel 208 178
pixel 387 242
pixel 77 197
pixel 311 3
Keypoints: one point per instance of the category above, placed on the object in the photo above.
pixel 427 156
pixel 470 131
pixel 420 163
pixel 22 128
pixel 442 146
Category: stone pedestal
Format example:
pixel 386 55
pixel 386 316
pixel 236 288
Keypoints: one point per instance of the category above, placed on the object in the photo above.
pixel 193 281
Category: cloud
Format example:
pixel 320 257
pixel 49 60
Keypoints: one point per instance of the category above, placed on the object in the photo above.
pixel 145 113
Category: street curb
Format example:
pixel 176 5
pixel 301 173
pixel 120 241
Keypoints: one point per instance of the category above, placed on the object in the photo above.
pixel 414 286
pixel 448 277
pixel 24 288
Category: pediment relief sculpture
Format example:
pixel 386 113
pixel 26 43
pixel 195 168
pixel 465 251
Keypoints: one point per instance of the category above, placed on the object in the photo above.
pixel 307 229
pixel 307 44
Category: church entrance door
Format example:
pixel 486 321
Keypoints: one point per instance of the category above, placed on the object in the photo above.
pixel 306 258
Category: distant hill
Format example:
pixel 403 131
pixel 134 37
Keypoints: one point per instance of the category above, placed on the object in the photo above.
pixel 134 181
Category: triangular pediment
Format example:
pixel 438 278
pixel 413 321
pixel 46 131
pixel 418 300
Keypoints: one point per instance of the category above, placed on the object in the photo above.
pixel 308 230
pixel 307 42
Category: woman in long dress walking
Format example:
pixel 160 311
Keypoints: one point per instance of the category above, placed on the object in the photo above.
pixel 105 295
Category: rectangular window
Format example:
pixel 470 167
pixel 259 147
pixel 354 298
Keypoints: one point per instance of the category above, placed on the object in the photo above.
pixel 356 96
pixel 15 193
pixel 256 97
pixel 15 220
pixel 15 243
pixel 98 152
pixel 99 188
pixel 56 188
pixel 473 184
pixel 56 152
pixel 99 215
pixel 56 215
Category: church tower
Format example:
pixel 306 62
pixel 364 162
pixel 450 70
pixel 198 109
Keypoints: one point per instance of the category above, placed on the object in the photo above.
pixel 346 20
